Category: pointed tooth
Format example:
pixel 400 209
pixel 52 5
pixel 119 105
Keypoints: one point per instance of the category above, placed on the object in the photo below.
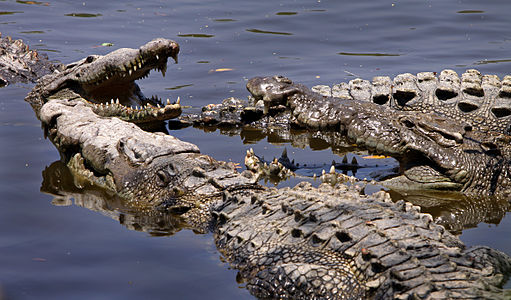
pixel 112 101
pixel 168 101
pixel 178 101
pixel 164 70
pixel 130 71
pixel 135 67
pixel 157 57
pixel 332 170
pixel 117 101
pixel 158 105
pixel 139 65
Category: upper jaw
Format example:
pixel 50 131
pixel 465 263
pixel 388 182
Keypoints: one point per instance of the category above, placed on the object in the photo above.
pixel 107 82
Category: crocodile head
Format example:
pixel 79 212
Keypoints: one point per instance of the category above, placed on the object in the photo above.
pixel 273 90
pixel 150 171
pixel 435 153
pixel 20 64
pixel 107 83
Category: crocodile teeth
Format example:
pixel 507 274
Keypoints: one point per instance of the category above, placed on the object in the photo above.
pixel 332 170
pixel 157 57
pixel 117 101
pixel 168 101
pixel 112 101
pixel 178 101
pixel 139 65
pixel 130 71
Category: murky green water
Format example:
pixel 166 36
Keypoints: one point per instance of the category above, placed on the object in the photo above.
pixel 69 252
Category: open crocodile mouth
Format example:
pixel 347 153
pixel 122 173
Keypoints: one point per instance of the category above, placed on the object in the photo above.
pixel 427 162
pixel 108 82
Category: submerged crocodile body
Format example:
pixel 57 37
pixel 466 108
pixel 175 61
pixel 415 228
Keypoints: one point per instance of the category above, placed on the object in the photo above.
pixel 107 83
pixel 20 64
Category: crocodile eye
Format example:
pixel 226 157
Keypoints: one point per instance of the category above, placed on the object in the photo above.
pixel 408 123
pixel 89 59
pixel 165 175
pixel 163 178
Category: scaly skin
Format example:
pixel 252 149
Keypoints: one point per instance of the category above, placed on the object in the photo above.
pixel 20 64
pixel 483 101
pixel 434 152
pixel 301 243
pixel 107 83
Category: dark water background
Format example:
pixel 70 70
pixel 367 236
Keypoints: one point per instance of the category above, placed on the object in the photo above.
pixel 56 252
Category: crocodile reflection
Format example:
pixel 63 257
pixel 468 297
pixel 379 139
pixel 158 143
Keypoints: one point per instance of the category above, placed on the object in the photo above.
pixel 60 182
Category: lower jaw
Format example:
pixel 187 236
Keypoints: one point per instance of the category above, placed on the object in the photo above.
pixel 403 183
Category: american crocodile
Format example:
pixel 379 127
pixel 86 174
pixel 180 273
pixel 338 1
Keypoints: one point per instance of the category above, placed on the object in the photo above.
pixel 435 152
pixel 107 83
pixel 481 101
pixel 20 64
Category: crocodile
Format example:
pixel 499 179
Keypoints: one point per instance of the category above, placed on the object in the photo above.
pixel 289 243
pixel 481 101
pixel 435 152
pixel 20 64
pixel 107 83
